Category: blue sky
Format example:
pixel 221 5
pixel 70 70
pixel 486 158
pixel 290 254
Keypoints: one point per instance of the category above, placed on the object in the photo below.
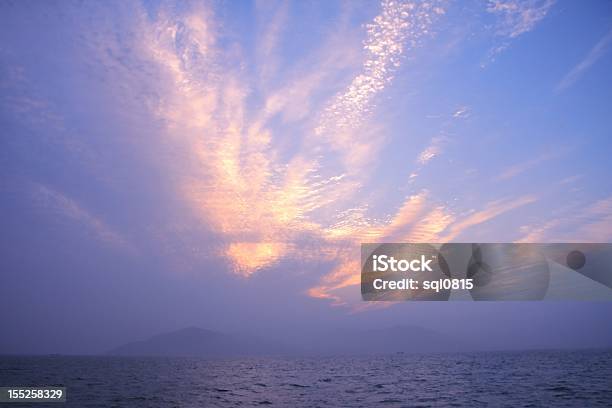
pixel 153 151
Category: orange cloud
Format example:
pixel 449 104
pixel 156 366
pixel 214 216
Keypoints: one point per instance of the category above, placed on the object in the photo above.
pixel 231 173
pixel 251 256
pixel 234 178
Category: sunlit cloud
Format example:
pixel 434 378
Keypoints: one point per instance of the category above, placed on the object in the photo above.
pixel 414 221
pixel 536 233
pixel 238 182
pixel 251 256
pixel 398 26
pixel 278 158
pixel 597 225
pixel 433 150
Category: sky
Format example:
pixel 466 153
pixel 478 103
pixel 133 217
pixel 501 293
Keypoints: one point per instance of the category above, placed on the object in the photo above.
pixel 217 164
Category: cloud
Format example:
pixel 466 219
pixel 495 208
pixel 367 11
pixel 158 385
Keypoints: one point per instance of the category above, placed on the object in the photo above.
pixel 266 160
pixel 596 222
pixel 571 179
pixel 599 50
pixel 428 154
pixel 53 201
pixel 492 210
pixel 237 181
pixel 270 37
pixel 463 112
pixel 522 167
pixel 417 220
pixel 430 226
pixel 518 17
pixel 233 177
pixel 586 223
pixel 397 27
pixel 536 234
pixel 433 150
pixel 514 18
pixel 250 256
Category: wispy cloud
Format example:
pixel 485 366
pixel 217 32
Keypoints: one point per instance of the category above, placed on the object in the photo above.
pixel 518 17
pixel 238 181
pixel 240 184
pixel 492 210
pixel 584 223
pixel 599 50
pixel 522 167
pixel 270 37
pixel 514 18
pixel 433 150
pixel 536 233
pixel 597 225
pixel 417 220
pixel 463 112
pixel 55 202
pixel 397 27
pixel 265 159
pixel 571 179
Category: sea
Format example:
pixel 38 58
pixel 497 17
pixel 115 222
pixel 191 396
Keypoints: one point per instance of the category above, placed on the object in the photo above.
pixel 486 379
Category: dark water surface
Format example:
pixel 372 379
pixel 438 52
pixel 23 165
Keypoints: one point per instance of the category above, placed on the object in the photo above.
pixel 512 379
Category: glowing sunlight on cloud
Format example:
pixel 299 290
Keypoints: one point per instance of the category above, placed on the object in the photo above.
pixel 237 181
pixel 288 156
pixel 261 200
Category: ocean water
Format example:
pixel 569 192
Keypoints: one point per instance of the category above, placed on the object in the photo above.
pixel 497 379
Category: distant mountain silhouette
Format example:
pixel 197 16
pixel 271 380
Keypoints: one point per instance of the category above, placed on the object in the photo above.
pixel 195 341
